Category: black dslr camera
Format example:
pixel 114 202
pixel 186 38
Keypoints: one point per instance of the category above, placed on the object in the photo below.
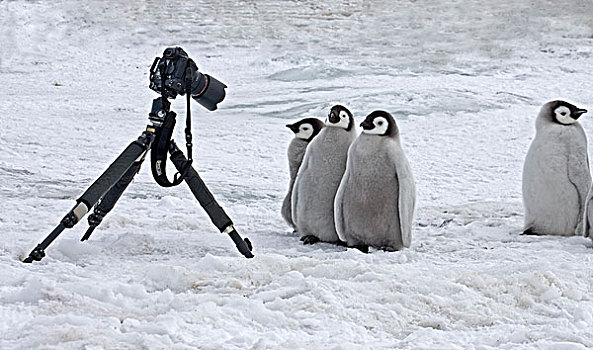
pixel 176 73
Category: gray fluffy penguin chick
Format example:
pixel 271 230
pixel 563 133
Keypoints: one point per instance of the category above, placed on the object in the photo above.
pixel 304 131
pixel 556 177
pixel 375 202
pixel 319 176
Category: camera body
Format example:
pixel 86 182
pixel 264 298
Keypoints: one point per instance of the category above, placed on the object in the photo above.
pixel 177 74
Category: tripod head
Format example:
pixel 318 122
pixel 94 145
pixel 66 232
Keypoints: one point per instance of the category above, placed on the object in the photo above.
pixel 159 110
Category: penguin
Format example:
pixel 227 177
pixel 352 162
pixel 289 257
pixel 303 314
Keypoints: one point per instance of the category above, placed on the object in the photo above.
pixel 319 176
pixel 304 131
pixel 375 202
pixel 556 176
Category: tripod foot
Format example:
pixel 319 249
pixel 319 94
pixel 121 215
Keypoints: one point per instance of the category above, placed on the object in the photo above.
pixel 94 221
pixel 248 242
pixel 36 255
pixel 243 245
pixel 88 233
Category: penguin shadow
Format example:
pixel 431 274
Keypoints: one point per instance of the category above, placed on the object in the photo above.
pixel 310 240
pixel 530 236
pixel 341 245
pixel 323 246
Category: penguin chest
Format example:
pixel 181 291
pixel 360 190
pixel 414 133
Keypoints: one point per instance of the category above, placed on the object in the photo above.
pixel 550 159
pixel 373 177
pixel 545 174
pixel 371 192
pixel 326 160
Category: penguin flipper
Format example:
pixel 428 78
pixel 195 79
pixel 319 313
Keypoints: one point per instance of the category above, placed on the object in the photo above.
pixel 286 210
pixel 588 216
pixel 406 201
pixel 580 176
pixel 294 202
pixel 295 188
pixel 339 207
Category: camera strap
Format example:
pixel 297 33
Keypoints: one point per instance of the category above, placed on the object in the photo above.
pixel 158 155
pixel 188 135
pixel 162 142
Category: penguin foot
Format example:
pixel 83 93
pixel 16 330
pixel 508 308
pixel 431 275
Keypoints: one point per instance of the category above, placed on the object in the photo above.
pixel 309 239
pixel 341 244
pixel 530 232
pixel 363 248
pixel 388 249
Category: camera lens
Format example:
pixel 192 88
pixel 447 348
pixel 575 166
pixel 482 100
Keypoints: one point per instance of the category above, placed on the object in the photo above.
pixel 208 91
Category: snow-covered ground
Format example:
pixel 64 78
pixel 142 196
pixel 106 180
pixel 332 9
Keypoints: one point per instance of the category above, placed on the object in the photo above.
pixel 464 80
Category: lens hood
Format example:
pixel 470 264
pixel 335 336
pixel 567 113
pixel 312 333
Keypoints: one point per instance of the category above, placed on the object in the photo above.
pixel 212 95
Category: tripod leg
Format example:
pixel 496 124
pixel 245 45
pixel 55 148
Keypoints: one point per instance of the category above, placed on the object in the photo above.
pixel 111 197
pixel 92 195
pixel 218 216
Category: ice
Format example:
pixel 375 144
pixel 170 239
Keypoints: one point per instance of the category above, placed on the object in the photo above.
pixel 464 81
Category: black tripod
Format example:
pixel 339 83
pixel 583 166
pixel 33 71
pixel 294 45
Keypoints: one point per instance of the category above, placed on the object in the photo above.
pixel 108 188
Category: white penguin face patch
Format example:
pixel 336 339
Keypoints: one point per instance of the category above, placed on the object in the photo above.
pixel 381 126
pixel 305 131
pixel 562 115
pixel 343 123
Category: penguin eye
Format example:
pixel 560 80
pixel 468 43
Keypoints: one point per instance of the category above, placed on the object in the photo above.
pixel 305 128
pixel 380 123
pixel 562 111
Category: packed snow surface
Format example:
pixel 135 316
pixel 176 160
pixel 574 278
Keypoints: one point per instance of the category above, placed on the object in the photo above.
pixel 464 80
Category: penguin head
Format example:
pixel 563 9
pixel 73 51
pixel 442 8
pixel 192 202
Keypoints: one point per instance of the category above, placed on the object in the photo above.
pixel 306 129
pixel 380 123
pixel 563 112
pixel 339 116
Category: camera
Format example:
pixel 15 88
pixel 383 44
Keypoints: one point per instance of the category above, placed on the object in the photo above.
pixel 177 74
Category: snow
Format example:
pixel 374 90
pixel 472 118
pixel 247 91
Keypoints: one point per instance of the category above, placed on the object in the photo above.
pixel 464 81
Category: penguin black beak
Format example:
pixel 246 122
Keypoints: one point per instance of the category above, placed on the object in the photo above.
pixel 367 125
pixel 333 118
pixel 293 127
pixel 576 114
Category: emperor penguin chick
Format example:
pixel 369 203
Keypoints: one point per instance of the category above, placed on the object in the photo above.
pixel 304 131
pixel 375 202
pixel 556 177
pixel 319 176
